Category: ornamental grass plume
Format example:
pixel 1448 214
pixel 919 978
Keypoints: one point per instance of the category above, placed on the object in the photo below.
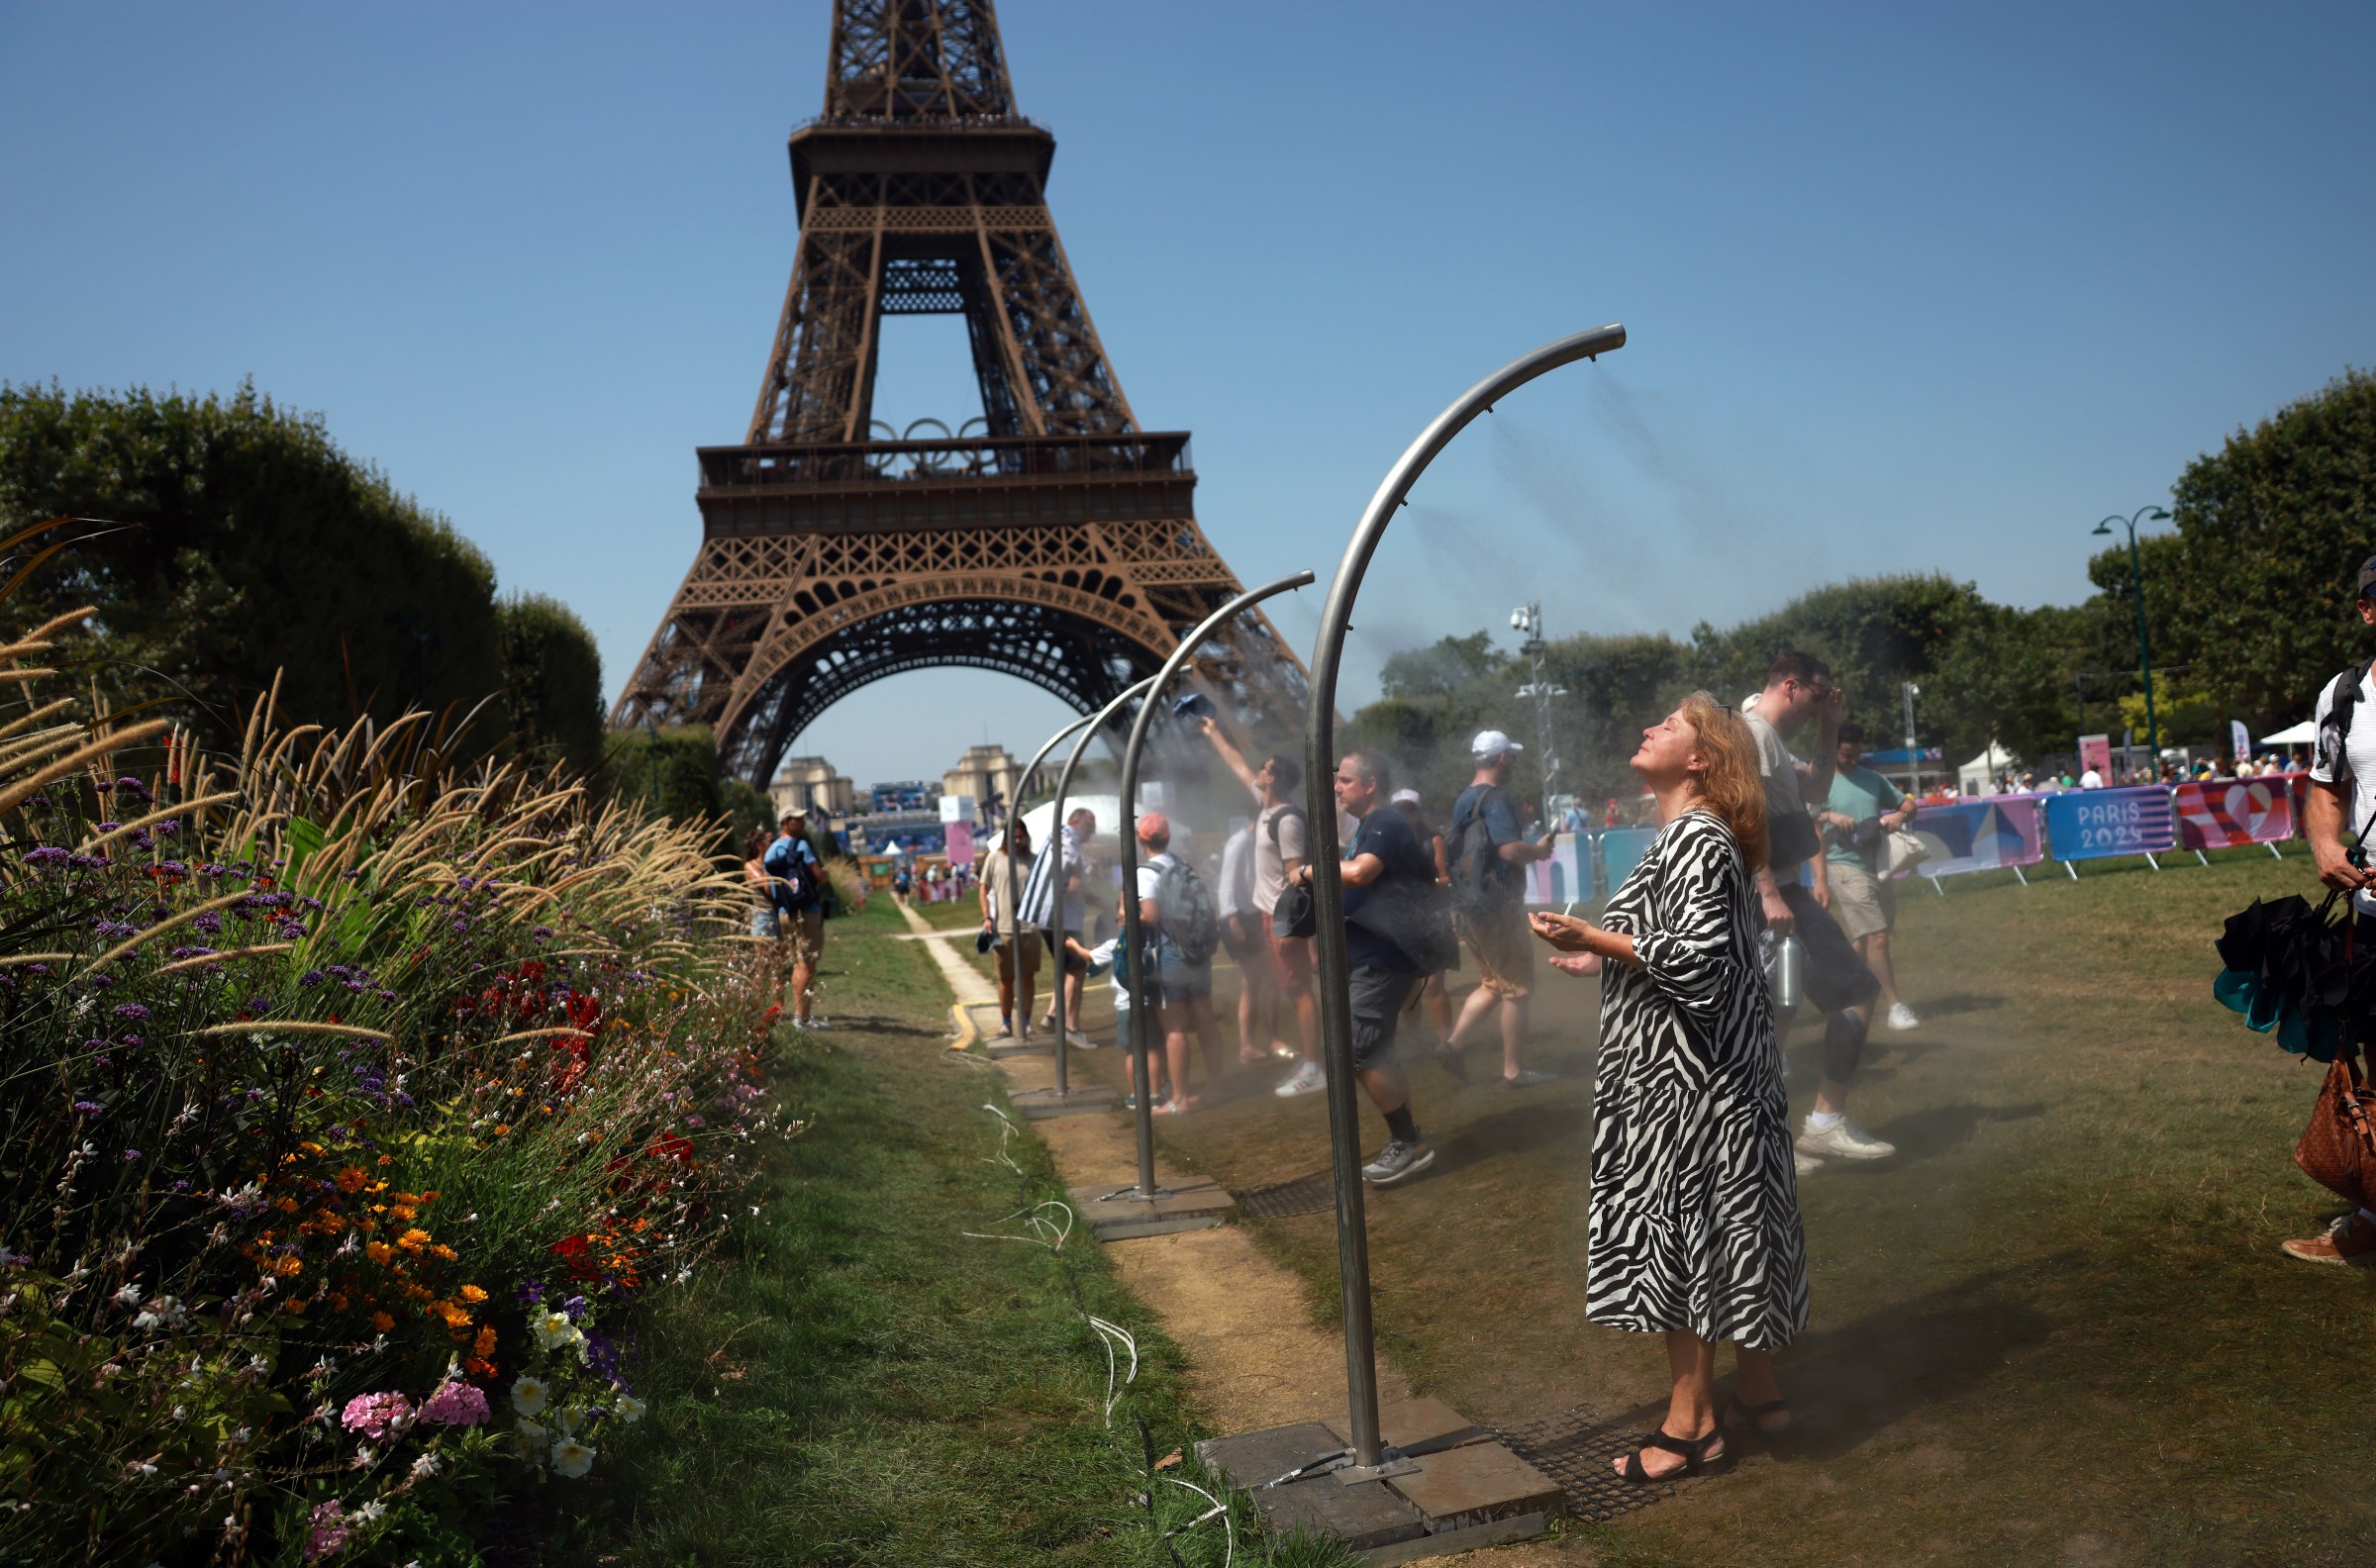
pixel 318 1061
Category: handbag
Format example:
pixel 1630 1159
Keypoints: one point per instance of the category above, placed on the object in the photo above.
pixel 1295 915
pixel 2338 1148
pixel 1900 850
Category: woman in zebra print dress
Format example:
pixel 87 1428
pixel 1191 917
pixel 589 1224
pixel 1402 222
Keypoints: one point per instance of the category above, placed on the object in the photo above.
pixel 1694 1231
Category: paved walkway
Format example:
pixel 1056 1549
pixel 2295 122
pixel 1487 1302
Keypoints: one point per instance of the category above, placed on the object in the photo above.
pixel 968 984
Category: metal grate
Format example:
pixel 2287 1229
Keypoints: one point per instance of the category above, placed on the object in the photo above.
pixel 1578 1449
pixel 1305 1195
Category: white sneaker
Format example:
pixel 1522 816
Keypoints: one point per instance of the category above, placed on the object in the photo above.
pixel 1844 1139
pixel 1308 1078
pixel 1900 1017
pixel 1806 1162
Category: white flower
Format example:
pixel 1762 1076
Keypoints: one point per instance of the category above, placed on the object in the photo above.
pixel 555 1330
pixel 129 1296
pixel 424 1467
pixel 631 1408
pixel 529 1396
pixel 373 1508
pixel 162 1313
pixel 570 1421
pixel 571 1458
pixel 530 1439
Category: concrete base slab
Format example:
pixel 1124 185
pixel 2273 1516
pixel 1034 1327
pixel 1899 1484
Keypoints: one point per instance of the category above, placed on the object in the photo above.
pixel 1416 1426
pixel 1466 1491
pixel 1037 1105
pixel 1001 1050
pixel 1114 1213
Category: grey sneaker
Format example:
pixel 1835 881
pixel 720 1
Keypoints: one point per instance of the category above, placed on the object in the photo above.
pixel 1900 1017
pixel 1398 1161
pixel 1305 1079
pixel 1526 1078
pixel 1842 1140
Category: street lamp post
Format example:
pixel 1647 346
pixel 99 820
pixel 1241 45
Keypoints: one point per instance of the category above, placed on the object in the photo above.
pixel 1526 619
pixel 2136 589
pixel 1913 752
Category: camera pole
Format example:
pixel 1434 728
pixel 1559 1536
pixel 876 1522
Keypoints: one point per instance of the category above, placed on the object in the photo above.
pixel 1320 721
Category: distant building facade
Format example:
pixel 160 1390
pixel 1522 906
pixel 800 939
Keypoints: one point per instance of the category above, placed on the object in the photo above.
pixel 809 784
pixel 988 774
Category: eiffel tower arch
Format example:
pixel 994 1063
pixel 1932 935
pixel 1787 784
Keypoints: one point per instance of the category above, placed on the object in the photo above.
pixel 1057 543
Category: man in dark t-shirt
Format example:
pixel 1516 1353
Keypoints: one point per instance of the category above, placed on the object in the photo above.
pixel 1386 874
pixel 1491 899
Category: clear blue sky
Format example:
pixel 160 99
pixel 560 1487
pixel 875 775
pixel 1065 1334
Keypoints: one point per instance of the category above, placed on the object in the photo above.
pixel 1910 287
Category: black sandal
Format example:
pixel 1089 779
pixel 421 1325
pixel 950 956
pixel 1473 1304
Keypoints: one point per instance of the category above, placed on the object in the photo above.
pixel 1695 1456
pixel 1753 1417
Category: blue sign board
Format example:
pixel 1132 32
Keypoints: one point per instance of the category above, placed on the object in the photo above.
pixel 2089 824
pixel 1621 849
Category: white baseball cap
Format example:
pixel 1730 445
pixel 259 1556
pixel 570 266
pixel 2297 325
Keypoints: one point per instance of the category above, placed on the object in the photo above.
pixel 1402 795
pixel 1491 744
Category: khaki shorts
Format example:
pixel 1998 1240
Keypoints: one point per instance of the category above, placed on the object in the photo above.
pixel 1503 949
pixel 1861 902
pixel 805 930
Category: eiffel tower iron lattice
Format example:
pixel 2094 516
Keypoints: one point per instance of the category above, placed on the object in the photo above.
pixel 1057 542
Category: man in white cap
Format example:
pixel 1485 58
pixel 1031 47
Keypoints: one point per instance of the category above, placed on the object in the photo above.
pixel 1484 854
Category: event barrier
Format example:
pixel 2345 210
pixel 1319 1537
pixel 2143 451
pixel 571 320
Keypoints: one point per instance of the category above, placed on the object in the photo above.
pixel 1564 878
pixel 2226 814
pixel 1621 849
pixel 2000 832
pixel 2097 825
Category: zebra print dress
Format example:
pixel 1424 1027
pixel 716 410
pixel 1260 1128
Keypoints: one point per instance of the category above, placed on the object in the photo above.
pixel 1695 1202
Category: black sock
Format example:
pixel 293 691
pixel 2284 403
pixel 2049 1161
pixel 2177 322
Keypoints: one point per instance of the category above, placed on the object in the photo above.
pixel 1399 1123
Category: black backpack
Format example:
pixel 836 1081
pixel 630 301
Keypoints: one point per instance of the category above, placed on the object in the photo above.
pixel 1472 861
pixel 2339 709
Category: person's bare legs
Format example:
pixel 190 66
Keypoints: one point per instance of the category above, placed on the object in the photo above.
pixel 1387 1088
pixel 1438 1003
pixel 1514 1033
pixel 1176 1022
pixel 1473 1009
pixel 804 979
pixel 1690 1406
pixel 1875 949
pixel 1755 1384
pixel 1307 1022
pixel 1207 1028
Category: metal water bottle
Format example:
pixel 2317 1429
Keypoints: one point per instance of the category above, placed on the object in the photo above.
pixel 1790 958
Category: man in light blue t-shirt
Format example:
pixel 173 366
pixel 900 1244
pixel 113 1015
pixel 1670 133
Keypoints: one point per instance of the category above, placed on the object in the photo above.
pixel 1862 808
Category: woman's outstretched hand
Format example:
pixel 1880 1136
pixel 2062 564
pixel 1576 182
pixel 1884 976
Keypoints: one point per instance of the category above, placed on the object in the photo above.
pixel 1575 963
pixel 1563 931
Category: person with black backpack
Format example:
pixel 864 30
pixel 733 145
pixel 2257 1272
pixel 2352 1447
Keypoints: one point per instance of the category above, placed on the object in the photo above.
pixel 2343 801
pixel 796 882
pixel 1486 857
pixel 1183 925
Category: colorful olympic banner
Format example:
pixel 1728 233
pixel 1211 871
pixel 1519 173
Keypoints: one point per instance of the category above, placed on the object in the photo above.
pixel 2240 811
pixel 1621 849
pixel 2093 825
pixel 1979 835
pixel 1566 877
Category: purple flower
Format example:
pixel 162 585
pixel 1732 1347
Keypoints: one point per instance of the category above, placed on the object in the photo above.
pixel 455 1404
pixel 210 923
pixel 132 1156
pixel 89 1108
pixel 132 786
pixel 130 1010
pixel 45 854
pixel 575 1307
pixel 328 1532
pixel 312 977
pixel 696 1122
pixel 531 1292
pixel 168 830
pixel 106 827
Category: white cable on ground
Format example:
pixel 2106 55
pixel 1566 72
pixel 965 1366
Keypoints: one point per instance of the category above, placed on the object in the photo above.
pixel 1219 1509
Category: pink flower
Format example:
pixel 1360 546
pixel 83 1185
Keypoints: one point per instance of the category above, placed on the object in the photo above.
pixel 455 1404
pixel 375 1416
pixel 329 1527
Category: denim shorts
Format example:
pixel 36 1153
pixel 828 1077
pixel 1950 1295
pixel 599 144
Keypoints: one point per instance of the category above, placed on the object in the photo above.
pixel 1176 979
pixel 762 922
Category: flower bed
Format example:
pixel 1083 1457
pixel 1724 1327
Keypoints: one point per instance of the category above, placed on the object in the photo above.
pixel 350 1101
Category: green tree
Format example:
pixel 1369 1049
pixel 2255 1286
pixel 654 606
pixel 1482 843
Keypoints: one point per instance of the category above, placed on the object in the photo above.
pixel 552 678
pixel 1441 669
pixel 235 541
pixel 2253 594
pixel 673 771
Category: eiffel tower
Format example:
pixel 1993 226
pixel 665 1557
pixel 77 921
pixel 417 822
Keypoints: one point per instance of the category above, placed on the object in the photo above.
pixel 1052 540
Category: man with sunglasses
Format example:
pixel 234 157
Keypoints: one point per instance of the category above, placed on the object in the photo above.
pixel 2343 801
pixel 1836 979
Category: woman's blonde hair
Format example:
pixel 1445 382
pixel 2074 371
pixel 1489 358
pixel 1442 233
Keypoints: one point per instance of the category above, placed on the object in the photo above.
pixel 1731 786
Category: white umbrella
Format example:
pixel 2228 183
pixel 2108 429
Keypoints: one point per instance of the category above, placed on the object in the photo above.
pixel 2301 733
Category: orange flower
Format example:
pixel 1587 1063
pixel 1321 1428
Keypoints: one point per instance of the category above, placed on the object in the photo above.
pixel 288 1267
pixel 382 1321
pixel 402 1212
pixel 413 1240
pixel 444 1251
pixel 486 1341
pixel 471 1294
pixel 378 1251
pixel 352 1179
pixel 479 1367
pixel 285 1205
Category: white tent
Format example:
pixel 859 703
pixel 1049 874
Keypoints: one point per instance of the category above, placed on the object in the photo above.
pixel 2301 733
pixel 1108 807
pixel 1979 775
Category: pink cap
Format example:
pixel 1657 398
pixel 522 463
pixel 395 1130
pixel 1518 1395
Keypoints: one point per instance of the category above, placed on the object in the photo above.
pixel 1152 825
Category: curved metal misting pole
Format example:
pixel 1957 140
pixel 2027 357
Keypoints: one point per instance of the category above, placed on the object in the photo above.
pixel 1095 724
pixel 1320 771
pixel 1055 835
pixel 1141 1009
